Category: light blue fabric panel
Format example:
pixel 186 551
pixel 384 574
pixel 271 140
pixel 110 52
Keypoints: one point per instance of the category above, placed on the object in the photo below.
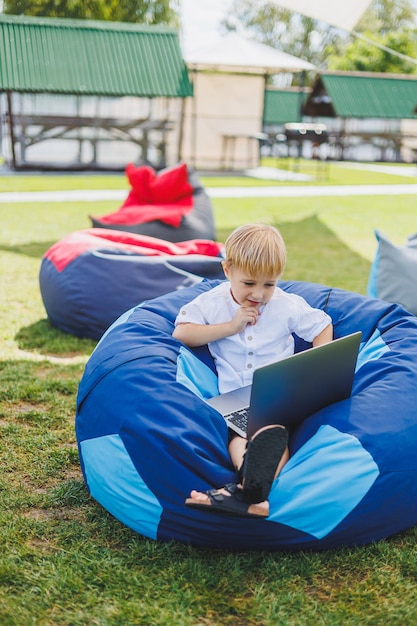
pixel 322 483
pixel 120 320
pixel 372 288
pixel 373 349
pixel 195 375
pixel 114 482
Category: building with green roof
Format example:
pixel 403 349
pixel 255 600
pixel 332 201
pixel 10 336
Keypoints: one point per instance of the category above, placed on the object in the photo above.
pixel 92 84
pixel 369 108
pixel 363 95
pixel 283 106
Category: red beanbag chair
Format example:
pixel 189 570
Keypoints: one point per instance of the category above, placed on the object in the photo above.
pixel 169 205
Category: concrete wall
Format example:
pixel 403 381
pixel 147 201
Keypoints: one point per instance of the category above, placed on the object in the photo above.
pixel 227 109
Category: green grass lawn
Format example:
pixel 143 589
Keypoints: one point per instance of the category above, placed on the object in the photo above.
pixel 66 561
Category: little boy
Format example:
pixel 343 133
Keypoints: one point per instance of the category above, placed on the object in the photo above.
pixel 248 322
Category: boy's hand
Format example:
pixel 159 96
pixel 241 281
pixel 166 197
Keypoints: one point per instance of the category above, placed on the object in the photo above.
pixel 243 317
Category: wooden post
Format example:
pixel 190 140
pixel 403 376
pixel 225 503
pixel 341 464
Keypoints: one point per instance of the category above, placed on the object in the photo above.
pixel 11 128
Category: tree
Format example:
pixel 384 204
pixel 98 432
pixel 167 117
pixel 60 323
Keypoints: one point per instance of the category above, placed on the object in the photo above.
pixel 376 26
pixel 362 56
pixel 142 11
pixel 386 16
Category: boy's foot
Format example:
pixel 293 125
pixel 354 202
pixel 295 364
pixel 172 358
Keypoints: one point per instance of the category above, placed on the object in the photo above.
pixel 263 456
pixel 260 464
pixel 227 499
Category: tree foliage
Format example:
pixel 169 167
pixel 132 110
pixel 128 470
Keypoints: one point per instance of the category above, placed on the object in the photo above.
pixel 391 25
pixel 362 56
pixel 142 11
pixel 386 16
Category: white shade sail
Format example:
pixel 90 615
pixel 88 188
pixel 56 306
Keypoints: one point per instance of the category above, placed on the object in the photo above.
pixel 344 15
pixel 233 52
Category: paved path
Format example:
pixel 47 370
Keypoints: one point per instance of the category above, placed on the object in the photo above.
pixel 291 191
pixel 381 168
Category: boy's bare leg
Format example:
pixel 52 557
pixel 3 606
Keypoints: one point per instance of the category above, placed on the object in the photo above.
pixel 237 449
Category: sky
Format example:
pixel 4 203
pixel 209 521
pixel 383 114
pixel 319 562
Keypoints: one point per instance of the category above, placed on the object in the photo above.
pixel 201 18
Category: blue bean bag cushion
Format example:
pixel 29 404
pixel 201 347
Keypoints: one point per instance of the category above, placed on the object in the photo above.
pixel 170 204
pixel 393 275
pixel 92 276
pixel 147 437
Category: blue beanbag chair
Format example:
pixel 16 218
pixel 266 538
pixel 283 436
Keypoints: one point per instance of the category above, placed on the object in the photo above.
pixel 147 437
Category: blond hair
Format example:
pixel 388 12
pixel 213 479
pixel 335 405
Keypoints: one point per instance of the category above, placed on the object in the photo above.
pixel 257 249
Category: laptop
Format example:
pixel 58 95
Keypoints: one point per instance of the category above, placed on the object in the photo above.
pixel 290 390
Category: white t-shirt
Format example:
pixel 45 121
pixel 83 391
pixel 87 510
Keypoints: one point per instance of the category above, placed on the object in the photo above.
pixel 236 357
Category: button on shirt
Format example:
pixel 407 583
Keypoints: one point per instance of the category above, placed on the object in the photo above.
pixel 236 357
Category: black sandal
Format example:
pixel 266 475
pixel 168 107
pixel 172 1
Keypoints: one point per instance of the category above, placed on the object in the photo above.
pixel 231 502
pixel 263 454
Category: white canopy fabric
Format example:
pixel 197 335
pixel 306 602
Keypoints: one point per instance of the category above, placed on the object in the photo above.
pixel 234 53
pixel 344 15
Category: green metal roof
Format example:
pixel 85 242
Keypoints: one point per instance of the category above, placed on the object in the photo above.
pixel 47 55
pixel 282 106
pixel 363 95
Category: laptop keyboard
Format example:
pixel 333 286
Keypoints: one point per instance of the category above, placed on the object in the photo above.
pixel 239 418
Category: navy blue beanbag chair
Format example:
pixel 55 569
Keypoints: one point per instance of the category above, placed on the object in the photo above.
pixel 146 436
pixel 92 276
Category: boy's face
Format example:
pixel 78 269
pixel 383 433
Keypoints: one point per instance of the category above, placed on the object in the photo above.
pixel 250 291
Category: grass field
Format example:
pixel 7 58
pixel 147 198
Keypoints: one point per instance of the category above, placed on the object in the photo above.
pixel 66 561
